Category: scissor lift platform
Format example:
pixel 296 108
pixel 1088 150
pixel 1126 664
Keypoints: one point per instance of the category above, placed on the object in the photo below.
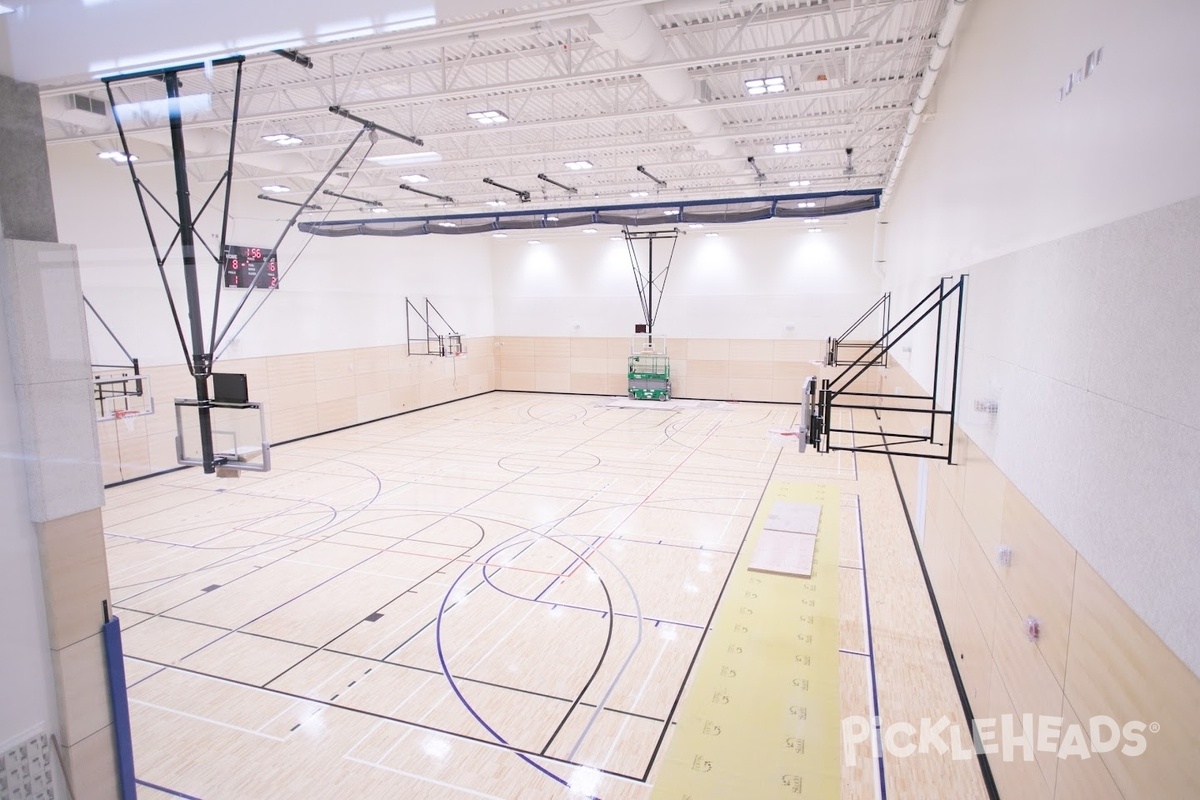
pixel 649 377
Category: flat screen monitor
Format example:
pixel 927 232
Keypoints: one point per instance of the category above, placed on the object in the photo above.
pixel 230 387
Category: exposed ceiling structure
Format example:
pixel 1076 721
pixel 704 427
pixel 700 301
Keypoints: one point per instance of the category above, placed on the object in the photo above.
pixel 581 94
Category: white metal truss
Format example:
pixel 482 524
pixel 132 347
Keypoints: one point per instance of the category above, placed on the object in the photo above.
pixel 850 71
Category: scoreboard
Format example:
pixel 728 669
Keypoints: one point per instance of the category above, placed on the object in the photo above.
pixel 250 266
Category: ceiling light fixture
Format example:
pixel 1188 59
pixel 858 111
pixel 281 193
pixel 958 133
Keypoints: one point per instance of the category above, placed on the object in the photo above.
pixel 448 224
pixel 275 189
pixel 765 85
pixel 534 241
pixel 696 225
pixel 805 183
pixel 788 147
pixel 283 139
pixel 711 234
pixel 117 157
pixel 639 194
pixel 814 230
pixel 378 210
pixel 490 117
pixel 578 165
pixel 811 220
pixel 414 178
pixel 589 230
pixel 405 159
pixel 670 212
pixel 808 204
pixel 496 203
pixel 499 235
pixel 551 218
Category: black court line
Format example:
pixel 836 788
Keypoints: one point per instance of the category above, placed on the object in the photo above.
pixel 165 790
pixel 357 508
pixel 180 468
pixel 708 626
pixel 385 717
pixel 985 769
pixel 862 557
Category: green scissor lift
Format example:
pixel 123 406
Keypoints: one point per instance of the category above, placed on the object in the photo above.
pixel 649 377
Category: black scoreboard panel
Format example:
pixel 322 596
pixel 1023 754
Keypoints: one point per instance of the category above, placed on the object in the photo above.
pixel 250 266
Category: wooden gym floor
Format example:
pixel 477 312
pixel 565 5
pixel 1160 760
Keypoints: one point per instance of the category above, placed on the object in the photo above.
pixel 506 596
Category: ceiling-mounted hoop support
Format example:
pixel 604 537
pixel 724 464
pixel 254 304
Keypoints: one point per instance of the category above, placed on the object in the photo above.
pixel 648 282
pixel 840 393
pixel 200 355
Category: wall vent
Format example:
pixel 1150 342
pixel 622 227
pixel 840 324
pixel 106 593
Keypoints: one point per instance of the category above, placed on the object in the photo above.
pixel 81 102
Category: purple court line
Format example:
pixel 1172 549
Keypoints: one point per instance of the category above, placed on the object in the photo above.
pixel 454 686
pixel 165 790
pixel 499 567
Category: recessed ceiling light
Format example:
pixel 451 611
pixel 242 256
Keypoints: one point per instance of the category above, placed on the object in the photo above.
pixel 808 204
pixel 578 165
pixel 696 225
pixel 589 230
pixel 670 212
pixel 275 189
pixel 814 230
pixel 534 241
pixel 414 179
pixel 614 238
pixel 499 235
pixel 488 117
pixel 710 234
pixel 794 184
pixel 765 85
pixel 406 159
pixel 117 157
pixel 494 203
pixel 551 218
pixel 283 139
pixel 448 224
pixel 639 194
pixel 788 147
pixel 811 220
pixel 805 183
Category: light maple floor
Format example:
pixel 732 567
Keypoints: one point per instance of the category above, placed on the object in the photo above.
pixel 447 604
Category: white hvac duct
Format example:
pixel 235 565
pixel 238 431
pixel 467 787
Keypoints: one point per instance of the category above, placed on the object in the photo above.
pixel 941 47
pixel 631 32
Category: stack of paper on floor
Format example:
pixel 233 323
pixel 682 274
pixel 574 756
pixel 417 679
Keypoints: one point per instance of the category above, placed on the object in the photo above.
pixel 788 540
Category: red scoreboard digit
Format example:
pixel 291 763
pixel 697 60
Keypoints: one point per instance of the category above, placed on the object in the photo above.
pixel 250 266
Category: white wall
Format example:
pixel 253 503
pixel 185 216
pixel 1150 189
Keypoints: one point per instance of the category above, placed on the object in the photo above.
pixel 1075 223
pixel 339 293
pixel 770 280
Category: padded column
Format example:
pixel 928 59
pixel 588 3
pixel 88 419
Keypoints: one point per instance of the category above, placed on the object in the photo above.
pixel 42 308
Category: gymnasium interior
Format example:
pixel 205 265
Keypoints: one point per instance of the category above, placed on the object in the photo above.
pixel 602 399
